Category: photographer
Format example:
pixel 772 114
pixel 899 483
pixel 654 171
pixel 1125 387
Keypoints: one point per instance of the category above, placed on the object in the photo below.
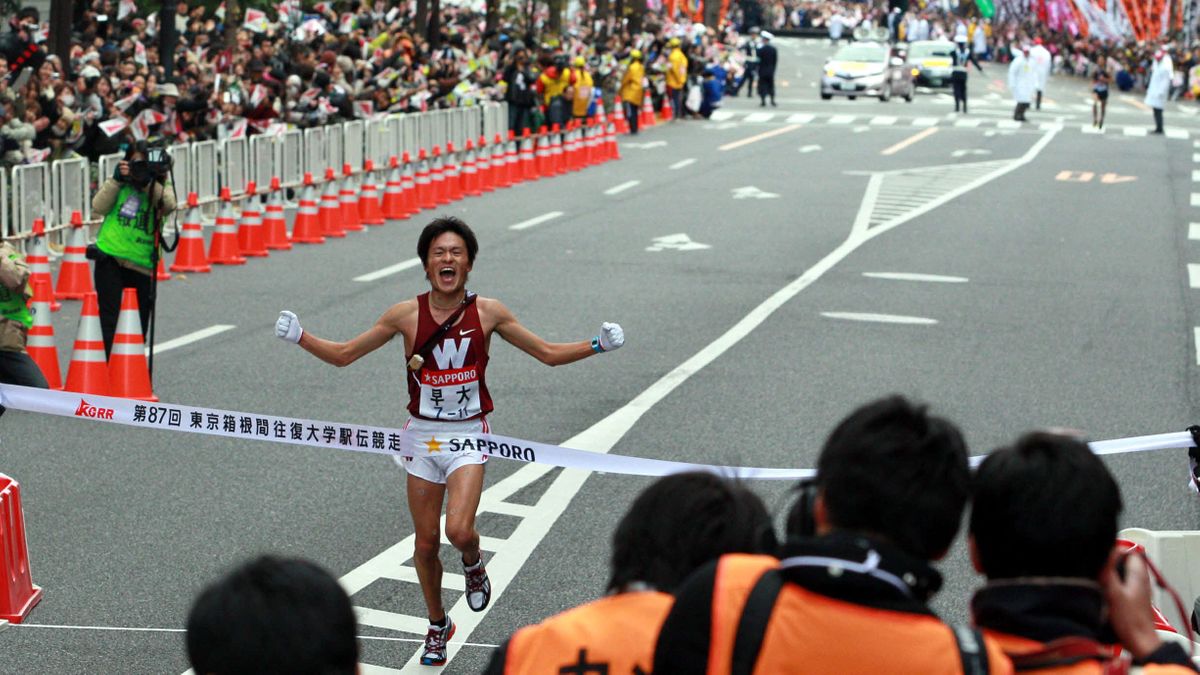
pixel 125 250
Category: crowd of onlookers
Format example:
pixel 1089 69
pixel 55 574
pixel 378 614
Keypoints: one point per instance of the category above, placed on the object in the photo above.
pixel 701 582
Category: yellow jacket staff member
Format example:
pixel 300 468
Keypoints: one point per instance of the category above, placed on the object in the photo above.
pixel 127 236
pixel 583 89
pixel 677 72
pixel 631 92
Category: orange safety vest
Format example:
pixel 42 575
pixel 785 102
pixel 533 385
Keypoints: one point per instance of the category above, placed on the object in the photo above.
pixel 616 632
pixel 811 634
pixel 1111 664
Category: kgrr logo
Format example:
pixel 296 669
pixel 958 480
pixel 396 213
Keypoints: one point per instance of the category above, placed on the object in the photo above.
pixel 86 409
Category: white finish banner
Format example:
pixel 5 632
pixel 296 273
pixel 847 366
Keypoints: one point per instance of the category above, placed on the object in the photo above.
pixel 387 441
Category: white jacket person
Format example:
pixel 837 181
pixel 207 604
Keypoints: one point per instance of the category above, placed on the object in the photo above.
pixel 1160 81
pixel 1022 80
pixel 1041 59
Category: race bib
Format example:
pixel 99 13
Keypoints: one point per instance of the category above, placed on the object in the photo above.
pixel 450 394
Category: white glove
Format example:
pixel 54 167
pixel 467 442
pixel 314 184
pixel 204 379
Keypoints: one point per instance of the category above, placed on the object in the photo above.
pixel 611 337
pixel 288 327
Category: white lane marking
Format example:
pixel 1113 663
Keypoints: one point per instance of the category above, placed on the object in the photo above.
pixel 1196 175
pixel 880 318
pixel 1049 126
pixel 526 224
pixel 720 115
pixel 1196 199
pixel 682 163
pixel 191 337
pixel 910 276
pixel 925 122
pixel 1194 231
pixel 389 270
pixel 1135 131
pixel 622 187
pixel 1008 124
pixel 1197 333
pixel 968 124
pixel 801 118
pixel 1194 275
pixel 1177 133
pixel 760 117
pixel 758 137
pixel 883 121
pixel 1092 130
pixel 601 437
pixel 841 119
pixel 915 138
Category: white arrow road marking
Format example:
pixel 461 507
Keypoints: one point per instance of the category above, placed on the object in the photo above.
pixel 677 242
pixel 751 192
pixel 805 149
pixel 880 318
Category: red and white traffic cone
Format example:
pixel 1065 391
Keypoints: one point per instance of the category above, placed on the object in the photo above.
pixel 483 165
pixel 128 372
pixel 557 160
pixel 161 271
pixel 611 135
pixel 618 117
pixel 452 174
pixel 368 201
pixel 190 256
pixel 393 193
pixel 250 234
pixel 74 274
pixel 40 341
pixel 18 594
pixel 647 119
pixel 424 182
pixel 437 178
pixel 528 157
pixel 543 167
pixel 224 249
pixel 330 214
pixel 275 223
pixel 408 187
pixel 39 262
pixel 666 113
pixel 88 371
pixel 470 174
pixel 308 229
pixel 349 200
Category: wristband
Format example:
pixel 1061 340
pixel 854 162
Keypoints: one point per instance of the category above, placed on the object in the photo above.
pixel 596 347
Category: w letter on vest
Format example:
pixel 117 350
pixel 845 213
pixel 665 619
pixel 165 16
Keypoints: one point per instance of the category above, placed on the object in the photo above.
pixel 450 354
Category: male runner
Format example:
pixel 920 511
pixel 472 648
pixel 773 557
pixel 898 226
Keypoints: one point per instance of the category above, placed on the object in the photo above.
pixel 447 399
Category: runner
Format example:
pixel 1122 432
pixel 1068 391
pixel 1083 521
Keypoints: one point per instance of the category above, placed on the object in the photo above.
pixel 446 336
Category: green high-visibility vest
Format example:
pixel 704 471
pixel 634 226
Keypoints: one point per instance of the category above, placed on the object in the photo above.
pixel 12 303
pixel 127 232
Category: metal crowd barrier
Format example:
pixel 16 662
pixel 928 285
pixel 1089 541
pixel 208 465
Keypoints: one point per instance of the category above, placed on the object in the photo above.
pixel 53 191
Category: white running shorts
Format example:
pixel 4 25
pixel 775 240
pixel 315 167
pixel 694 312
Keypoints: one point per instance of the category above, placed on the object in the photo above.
pixel 441 459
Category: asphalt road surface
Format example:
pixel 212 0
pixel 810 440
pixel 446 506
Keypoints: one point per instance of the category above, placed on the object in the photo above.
pixel 1013 276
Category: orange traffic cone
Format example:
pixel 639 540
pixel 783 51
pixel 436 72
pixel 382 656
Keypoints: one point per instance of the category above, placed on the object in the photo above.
pixel 542 153
pixel 275 224
pixel 349 200
pixel 39 262
pixel 408 187
pixel 484 175
pixel 393 192
pixel 307 228
pixel 470 173
pixel 647 119
pixel 190 255
pixel 424 183
pixel 573 147
pixel 613 151
pixel 666 113
pixel 453 174
pixel 128 375
pixel 18 595
pixel 618 117
pixel 88 371
pixel 223 249
pixel 368 200
pixel 161 271
pixel 74 275
pixel 437 178
pixel 507 172
pixel 330 213
pixel 556 151
pixel 40 342
pixel 250 234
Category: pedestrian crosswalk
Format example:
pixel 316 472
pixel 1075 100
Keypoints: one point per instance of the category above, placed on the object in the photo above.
pixel 983 123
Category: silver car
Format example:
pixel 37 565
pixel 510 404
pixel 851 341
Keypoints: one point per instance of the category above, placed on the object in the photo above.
pixel 933 61
pixel 867 69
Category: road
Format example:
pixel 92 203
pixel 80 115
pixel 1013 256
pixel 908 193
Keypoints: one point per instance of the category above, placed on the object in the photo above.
pixel 773 268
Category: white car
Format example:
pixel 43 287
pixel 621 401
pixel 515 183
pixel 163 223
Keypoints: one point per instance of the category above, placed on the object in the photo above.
pixel 867 69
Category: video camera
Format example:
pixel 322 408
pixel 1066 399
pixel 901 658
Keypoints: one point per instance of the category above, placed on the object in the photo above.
pixel 155 167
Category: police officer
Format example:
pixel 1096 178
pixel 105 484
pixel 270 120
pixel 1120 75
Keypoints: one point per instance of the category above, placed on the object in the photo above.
pixel 15 365
pixel 962 58
pixel 134 200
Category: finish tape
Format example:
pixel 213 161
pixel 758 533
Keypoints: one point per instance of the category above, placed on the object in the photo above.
pixel 398 442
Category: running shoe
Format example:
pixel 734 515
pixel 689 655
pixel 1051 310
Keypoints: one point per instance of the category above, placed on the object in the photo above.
pixel 435 644
pixel 479 588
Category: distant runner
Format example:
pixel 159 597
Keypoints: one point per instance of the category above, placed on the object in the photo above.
pixel 447 332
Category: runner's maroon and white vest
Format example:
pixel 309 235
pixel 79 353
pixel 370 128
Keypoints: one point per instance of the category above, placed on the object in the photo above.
pixel 450 386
